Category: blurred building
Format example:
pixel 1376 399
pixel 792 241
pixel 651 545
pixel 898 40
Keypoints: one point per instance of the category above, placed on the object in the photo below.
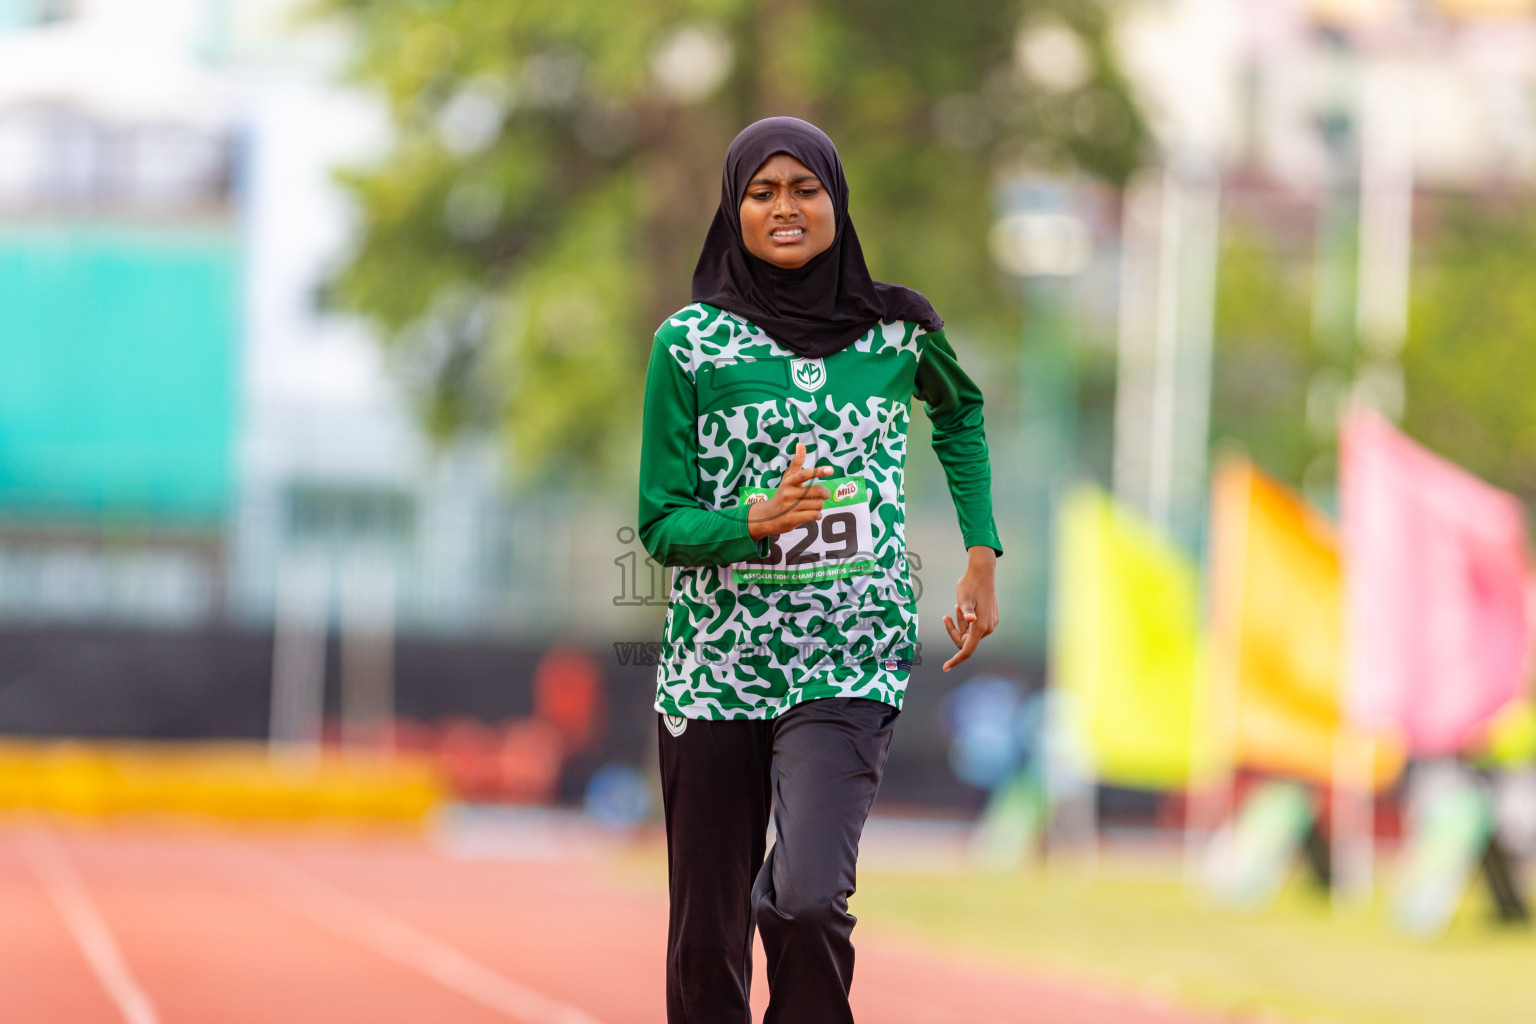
pixel 119 300
pixel 181 420
pixel 1258 84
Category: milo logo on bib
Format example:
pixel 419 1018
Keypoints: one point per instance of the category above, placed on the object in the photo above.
pixel 840 543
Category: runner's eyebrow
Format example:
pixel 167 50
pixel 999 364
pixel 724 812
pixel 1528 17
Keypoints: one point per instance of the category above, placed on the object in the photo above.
pixel 796 180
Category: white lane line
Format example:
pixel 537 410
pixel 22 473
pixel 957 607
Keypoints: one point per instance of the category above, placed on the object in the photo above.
pixel 340 912
pixel 62 882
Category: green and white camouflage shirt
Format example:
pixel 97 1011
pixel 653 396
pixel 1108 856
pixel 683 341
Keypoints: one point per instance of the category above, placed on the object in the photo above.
pixel 724 406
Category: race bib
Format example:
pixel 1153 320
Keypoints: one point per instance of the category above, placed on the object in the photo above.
pixel 840 543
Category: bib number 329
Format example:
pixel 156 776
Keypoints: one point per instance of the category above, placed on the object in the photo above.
pixel 840 543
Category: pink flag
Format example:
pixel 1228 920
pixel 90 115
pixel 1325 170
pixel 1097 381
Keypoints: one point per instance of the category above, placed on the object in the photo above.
pixel 1436 578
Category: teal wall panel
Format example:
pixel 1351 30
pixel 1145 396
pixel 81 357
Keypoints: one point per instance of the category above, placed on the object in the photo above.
pixel 117 371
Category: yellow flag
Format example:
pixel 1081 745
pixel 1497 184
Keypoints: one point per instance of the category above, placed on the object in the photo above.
pixel 1277 618
pixel 1511 738
pixel 1126 647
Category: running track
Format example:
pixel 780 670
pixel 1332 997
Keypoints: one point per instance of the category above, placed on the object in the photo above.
pixel 168 925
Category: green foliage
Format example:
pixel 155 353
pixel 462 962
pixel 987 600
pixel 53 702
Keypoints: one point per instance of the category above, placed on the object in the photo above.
pixel 1266 357
pixel 1470 362
pixel 1130 925
pixel 547 192
pixel 556 338
pixel 1469 365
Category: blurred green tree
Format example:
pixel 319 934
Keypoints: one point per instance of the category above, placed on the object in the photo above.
pixel 555 163
pixel 1469 364
pixel 1267 357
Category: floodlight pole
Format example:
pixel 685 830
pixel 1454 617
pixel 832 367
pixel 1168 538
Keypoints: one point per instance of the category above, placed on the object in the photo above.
pixel 1385 233
pixel 1169 240
pixel 1045 245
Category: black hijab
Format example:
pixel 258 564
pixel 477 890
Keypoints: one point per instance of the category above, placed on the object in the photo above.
pixel 816 309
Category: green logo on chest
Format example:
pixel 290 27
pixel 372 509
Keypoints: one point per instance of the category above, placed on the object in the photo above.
pixel 809 374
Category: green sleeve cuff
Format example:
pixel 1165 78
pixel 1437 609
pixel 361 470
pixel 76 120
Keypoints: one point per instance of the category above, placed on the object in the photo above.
pixel 984 539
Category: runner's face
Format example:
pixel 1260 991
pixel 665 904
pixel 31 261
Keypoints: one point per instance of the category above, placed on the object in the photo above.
pixel 786 215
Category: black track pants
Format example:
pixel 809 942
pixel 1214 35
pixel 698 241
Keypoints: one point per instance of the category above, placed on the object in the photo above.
pixel 819 765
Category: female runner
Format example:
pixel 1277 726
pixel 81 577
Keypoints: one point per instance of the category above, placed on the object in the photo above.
pixel 776 413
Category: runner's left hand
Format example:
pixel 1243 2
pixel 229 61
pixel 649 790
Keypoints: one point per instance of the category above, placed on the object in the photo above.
pixel 975 604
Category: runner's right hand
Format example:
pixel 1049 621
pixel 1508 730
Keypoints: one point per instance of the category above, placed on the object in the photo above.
pixel 797 500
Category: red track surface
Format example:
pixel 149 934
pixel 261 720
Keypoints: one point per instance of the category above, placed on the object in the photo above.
pixel 165 926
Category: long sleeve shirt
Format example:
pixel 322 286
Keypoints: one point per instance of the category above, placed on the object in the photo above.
pixel 827 610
